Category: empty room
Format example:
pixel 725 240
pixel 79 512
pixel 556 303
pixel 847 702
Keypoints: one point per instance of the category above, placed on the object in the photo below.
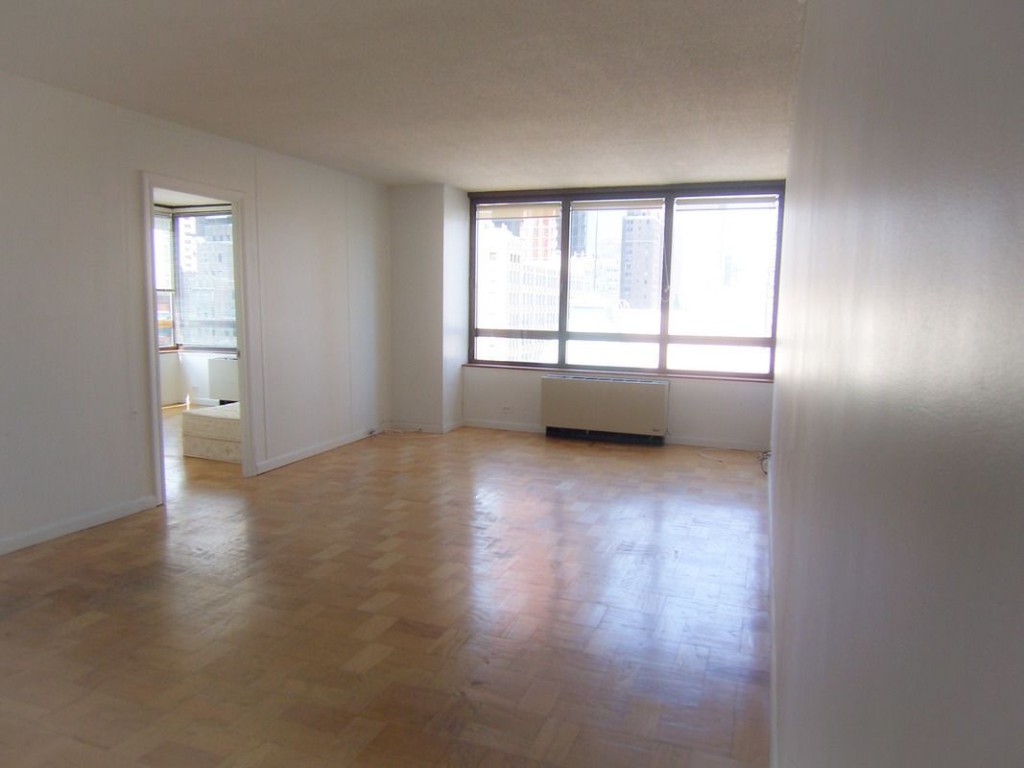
pixel 611 384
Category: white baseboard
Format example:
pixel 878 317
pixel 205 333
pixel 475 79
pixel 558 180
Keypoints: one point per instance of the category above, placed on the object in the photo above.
pixel 725 445
pixel 511 426
pixel 75 524
pixel 305 453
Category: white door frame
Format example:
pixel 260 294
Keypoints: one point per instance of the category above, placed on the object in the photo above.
pixel 239 206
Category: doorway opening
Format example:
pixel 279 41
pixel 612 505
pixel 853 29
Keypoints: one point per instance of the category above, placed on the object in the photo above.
pixel 194 277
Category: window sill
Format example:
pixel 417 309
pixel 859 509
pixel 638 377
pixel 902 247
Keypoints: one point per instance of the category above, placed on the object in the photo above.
pixel 622 373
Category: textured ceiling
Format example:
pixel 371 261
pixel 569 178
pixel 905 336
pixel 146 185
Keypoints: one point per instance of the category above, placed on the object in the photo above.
pixel 480 94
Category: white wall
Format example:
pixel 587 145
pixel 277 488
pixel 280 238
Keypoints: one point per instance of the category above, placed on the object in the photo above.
pixel 898 521
pixel 455 303
pixel 704 412
pixel 430 312
pixel 195 377
pixel 173 389
pixel 369 301
pixel 417 235
pixel 74 398
pixel 305 218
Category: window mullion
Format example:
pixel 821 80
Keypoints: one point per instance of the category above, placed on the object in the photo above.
pixel 563 289
pixel 666 281
pixel 178 294
pixel 471 352
pixel 775 287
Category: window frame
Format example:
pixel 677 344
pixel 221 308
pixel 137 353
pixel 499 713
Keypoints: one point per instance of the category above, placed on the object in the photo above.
pixel 164 212
pixel 174 213
pixel 669 193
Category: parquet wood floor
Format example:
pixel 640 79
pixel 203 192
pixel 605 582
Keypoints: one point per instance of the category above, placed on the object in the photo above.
pixel 481 599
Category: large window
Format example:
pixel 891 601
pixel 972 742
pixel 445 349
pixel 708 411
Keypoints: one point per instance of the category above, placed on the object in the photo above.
pixel 675 279
pixel 194 273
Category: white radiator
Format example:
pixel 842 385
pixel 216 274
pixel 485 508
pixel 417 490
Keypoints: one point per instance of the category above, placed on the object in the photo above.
pixel 626 406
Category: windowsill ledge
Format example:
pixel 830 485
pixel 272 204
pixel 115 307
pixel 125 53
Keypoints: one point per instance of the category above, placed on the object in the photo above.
pixel 620 373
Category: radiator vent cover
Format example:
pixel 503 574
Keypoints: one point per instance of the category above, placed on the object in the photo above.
pixel 589 404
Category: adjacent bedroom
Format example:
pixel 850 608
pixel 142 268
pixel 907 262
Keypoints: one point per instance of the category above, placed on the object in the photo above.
pixel 194 304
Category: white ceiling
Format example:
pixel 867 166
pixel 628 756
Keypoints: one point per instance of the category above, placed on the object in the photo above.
pixel 480 94
pixel 174 199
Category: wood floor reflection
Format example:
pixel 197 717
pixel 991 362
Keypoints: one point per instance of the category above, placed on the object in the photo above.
pixel 481 598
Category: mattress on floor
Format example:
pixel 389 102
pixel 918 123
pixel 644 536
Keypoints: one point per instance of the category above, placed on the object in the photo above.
pixel 213 433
